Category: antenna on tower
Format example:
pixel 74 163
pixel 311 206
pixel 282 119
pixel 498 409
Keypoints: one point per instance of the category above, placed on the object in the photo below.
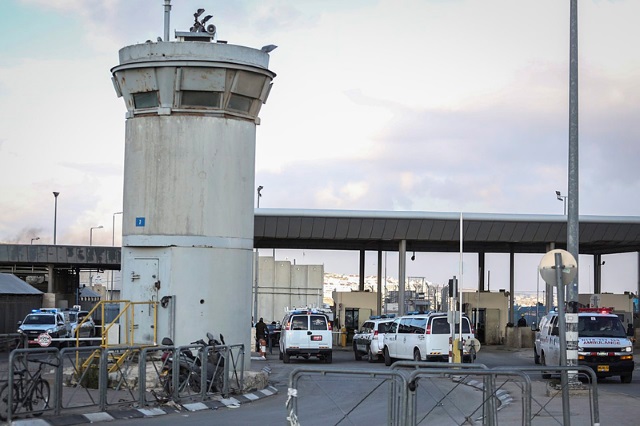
pixel 167 13
pixel 201 26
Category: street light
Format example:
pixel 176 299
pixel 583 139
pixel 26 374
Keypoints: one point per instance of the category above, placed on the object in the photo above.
pixel 562 198
pixel 34 239
pixel 55 216
pixel 256 268
pixel 260 188
pixel 113 229
pixel 90 244
pixel 91 233
pixel 113 242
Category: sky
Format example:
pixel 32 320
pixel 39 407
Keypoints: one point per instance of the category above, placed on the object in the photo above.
pixel 405 105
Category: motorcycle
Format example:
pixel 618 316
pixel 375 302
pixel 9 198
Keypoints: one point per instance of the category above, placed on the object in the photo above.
pixel 190 367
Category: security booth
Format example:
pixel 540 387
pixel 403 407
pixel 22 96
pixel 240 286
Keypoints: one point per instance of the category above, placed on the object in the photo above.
pixel 353 308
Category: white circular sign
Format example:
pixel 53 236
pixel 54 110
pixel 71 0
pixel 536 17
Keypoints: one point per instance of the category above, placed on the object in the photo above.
pixel 547 267
pixel 44 339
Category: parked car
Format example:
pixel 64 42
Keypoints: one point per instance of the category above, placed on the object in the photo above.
pixel 43 321
pixel 82 325
pixel 274 333
pixel 369 340
pixel 306 333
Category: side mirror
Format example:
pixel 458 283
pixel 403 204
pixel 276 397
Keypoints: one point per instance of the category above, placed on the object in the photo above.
pixel 630 332
pixel 19 322
pixel 554 331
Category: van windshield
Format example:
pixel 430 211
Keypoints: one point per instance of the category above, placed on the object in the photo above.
pixel 600 326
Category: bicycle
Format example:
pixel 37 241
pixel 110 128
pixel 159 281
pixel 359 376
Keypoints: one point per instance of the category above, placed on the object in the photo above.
pixel 31 393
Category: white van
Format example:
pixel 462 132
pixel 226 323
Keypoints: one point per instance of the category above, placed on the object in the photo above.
pixel 603 343
pixel 306 333
pixel 422 337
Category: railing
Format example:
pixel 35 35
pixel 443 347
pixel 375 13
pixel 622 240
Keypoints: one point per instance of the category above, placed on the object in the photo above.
pixel 95 378
pixel 419 393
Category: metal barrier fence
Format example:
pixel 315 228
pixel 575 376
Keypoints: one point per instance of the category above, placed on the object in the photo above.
pixel 9 341
pixel 419 393
pixel 96 378
pixel 376 386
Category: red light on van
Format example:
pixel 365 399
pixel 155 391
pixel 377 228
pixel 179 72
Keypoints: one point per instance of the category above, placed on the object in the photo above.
pixel 330 327
pixel 428 329
pixel 288 326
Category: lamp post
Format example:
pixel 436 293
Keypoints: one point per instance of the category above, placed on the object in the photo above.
pixel 90 244
pixel 91 233
pixel 257 265
pixel 34 239
pixel 562 198
pixel 260 188
pixel 55 216
pixel 113 242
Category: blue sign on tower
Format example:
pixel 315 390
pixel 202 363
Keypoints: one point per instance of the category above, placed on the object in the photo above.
pixel 139 221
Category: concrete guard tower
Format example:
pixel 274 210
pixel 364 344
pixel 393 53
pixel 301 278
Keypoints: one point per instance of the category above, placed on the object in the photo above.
pixel 189 172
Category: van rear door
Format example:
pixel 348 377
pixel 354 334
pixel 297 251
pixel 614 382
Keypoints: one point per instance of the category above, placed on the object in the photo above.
pixel 319 332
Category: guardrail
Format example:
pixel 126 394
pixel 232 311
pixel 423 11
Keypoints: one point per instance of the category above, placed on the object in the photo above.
pixel 421 392
pixel 96 378
pixel 9 341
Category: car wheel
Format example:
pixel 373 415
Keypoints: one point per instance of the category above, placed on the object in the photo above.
pixel 536 357
pixel 328 358
pixel 372 357
pixel 286 358
pixel 626 378
pixel 387 358
pixel 416 355
pixel 280 354
pixel 356 353
pixel 543 361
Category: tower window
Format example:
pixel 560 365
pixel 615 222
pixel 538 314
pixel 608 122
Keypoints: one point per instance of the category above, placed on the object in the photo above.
pixel 145 99
pixel 240 103
pixel 201 99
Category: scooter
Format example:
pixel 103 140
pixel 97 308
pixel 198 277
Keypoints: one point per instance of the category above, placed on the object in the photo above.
pixel 190 367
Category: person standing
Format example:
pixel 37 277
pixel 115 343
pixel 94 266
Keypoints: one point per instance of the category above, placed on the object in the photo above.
pixel 261 333
pixel 522 322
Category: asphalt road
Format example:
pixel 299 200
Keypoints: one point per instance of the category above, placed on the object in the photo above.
pixel 317 402
pixel 272 410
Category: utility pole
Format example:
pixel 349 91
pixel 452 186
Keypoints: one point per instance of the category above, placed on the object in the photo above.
pixel 573 210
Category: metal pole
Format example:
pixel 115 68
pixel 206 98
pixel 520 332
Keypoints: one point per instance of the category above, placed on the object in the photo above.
pixel 402 263
pixel 566 413
pixel 256 266
pixel 385 281
pixel 55 216
pixel 167 14
pixel 460 284
pixel 113 243
pixel 573 193
pixel 537 299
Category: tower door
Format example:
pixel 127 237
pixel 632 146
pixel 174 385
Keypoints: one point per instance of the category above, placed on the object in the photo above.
pixel 144 285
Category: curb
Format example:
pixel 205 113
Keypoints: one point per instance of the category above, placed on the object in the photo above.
pixel 139 413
